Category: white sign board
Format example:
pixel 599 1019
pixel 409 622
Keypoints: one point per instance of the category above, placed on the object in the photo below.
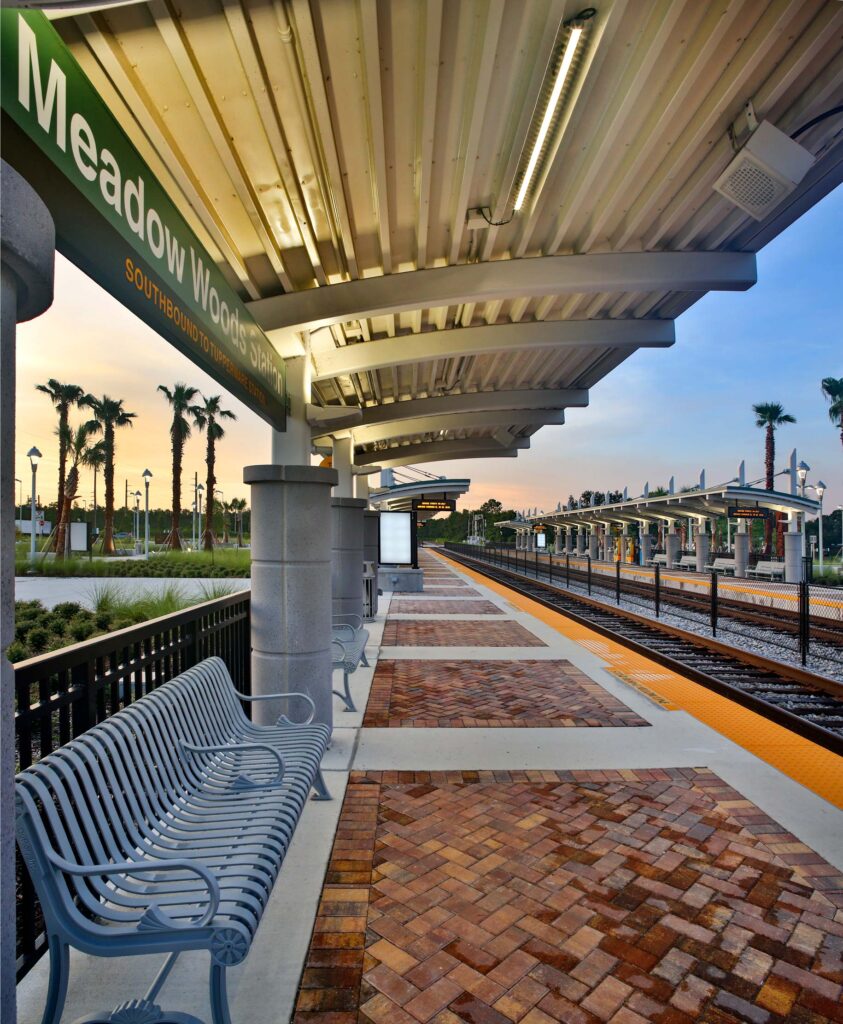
pixel 541 540
pixel 396 538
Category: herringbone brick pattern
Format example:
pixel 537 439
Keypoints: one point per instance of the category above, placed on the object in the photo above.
pixel 494 694
pixel 461 591
pixel 409 606
pixel 430 633
pixel 578 897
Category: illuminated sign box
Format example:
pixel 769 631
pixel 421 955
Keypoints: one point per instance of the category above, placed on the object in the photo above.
pixel 397 538
pixel 434 505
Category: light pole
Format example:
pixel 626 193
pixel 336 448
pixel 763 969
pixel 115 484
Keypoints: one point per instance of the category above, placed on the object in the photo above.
pixel 802 471
pixel 147 476
pixel 20 502
pixel 820 490
pixel 193 525
pixel 137 496
pixel 199 489
pixel 34 456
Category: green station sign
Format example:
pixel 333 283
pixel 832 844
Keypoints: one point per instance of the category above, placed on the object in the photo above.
pixel 115 220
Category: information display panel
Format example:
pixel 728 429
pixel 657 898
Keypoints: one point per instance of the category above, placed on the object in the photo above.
pixel 397 538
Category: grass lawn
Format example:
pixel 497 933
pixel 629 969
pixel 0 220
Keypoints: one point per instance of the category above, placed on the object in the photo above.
pixel 216 564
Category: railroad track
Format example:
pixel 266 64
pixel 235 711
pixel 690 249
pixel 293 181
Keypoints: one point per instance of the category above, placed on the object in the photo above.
pixel 806 703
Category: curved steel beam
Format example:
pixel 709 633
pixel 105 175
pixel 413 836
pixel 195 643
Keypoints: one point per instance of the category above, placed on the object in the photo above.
pixel 457 421
pixel 436 451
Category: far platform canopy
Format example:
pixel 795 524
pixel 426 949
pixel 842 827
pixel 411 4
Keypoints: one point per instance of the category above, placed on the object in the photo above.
pixel 708 503
pixel 466 215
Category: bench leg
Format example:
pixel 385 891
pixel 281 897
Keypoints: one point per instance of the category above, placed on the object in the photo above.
pixel 57 986
pixel 320 787
pixel 345 697
pixel 219 996
pixel 364 661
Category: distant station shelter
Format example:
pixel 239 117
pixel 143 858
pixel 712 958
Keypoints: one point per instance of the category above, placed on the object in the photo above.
pixel 595 528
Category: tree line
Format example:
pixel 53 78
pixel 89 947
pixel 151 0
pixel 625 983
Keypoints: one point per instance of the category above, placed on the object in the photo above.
pixel 92 443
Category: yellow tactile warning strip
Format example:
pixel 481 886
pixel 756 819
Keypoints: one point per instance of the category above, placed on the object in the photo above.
pixel 803 761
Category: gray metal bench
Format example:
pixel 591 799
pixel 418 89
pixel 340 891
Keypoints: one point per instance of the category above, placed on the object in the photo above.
pixel 723 565
pixel 767 569
pixel 658 560
pixel 163 828
pixel 686 562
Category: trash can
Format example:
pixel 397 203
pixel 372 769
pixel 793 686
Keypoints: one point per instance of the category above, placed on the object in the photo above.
pixel 370 591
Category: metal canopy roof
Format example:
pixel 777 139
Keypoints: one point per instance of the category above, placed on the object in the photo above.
pixel 400 497
pixel 328 153
pixel 696 503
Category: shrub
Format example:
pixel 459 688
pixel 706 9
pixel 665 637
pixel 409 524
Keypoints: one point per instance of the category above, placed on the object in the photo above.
pixel 102 620
pixel 17 651
pixel 38 639
pixel 67 609
pixel 55 623
pixel 81 629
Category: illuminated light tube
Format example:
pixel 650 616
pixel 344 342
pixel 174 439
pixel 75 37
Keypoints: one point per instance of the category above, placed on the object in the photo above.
pixel 552 103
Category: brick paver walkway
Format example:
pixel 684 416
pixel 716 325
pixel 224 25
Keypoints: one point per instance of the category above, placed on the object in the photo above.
pixel 475 694
pixel 583 897
pixel 408 606
pixel 430 633
pixel 435 591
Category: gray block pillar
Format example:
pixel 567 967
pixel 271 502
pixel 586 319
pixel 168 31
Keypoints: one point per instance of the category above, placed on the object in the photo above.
pixel 593 546
pixel 347 555
pixel 793 556
pixel 27 252
pixel 741 545
pixel 671 548
pixel 291 586
pixel 581 541
pixel 608 554
pixel 703 548
pixel 569 541
pixel 646 547
pixel 558 544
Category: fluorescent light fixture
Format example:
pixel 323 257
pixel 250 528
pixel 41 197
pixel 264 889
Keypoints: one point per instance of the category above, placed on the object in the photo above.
pixel 550 110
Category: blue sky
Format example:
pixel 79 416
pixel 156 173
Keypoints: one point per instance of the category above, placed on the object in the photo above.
pixel 675 411
pixel 662 412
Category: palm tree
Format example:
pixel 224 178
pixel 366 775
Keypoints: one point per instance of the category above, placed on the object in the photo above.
pixel 207 418
pixel 180 398
pixel 94 459
pixel 109 415
pixel 768 416
pixel 76 443
pixel 833 390
pixel 63 397
pixel 238 506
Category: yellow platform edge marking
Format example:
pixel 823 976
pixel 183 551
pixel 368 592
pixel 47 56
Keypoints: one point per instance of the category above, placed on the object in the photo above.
pixel 807 763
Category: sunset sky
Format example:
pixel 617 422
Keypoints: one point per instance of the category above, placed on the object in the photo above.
pixel 662 412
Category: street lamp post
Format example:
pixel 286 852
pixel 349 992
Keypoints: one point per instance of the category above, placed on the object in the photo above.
pixel 137 496
pixel 199 489
pixel 802 471
pixel 34 456
pixel 20 502
pixel 820 489
pixel 146 477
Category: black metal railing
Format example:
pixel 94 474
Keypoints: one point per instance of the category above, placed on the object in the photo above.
pixel 60 695
pixel 804 620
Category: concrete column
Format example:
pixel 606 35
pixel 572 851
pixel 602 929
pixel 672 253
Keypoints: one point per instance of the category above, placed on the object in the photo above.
pixel 531 541
pixel 291 586
pixel 608 553
pixel 27 252
pixel 581 541
pixel 343 456
pixel 292 447
pixel 671 545
pixel 593 545
pixel 793 552
pixel 569 540
pixel 361 488
pixel 347 556
pixel 646 546
pixel 558 544
pixel 703 547
pixel 741 544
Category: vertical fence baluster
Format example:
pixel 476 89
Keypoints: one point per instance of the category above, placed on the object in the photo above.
pixel 714 604
pixel 618 581
pixel 657 589
pixel 588 566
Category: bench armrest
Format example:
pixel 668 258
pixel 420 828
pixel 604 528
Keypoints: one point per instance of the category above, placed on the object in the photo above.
pixel 141 867
pixel 338 651
pixel 348 629
pixel 284 696
pixel 342 620
pixel 242 781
